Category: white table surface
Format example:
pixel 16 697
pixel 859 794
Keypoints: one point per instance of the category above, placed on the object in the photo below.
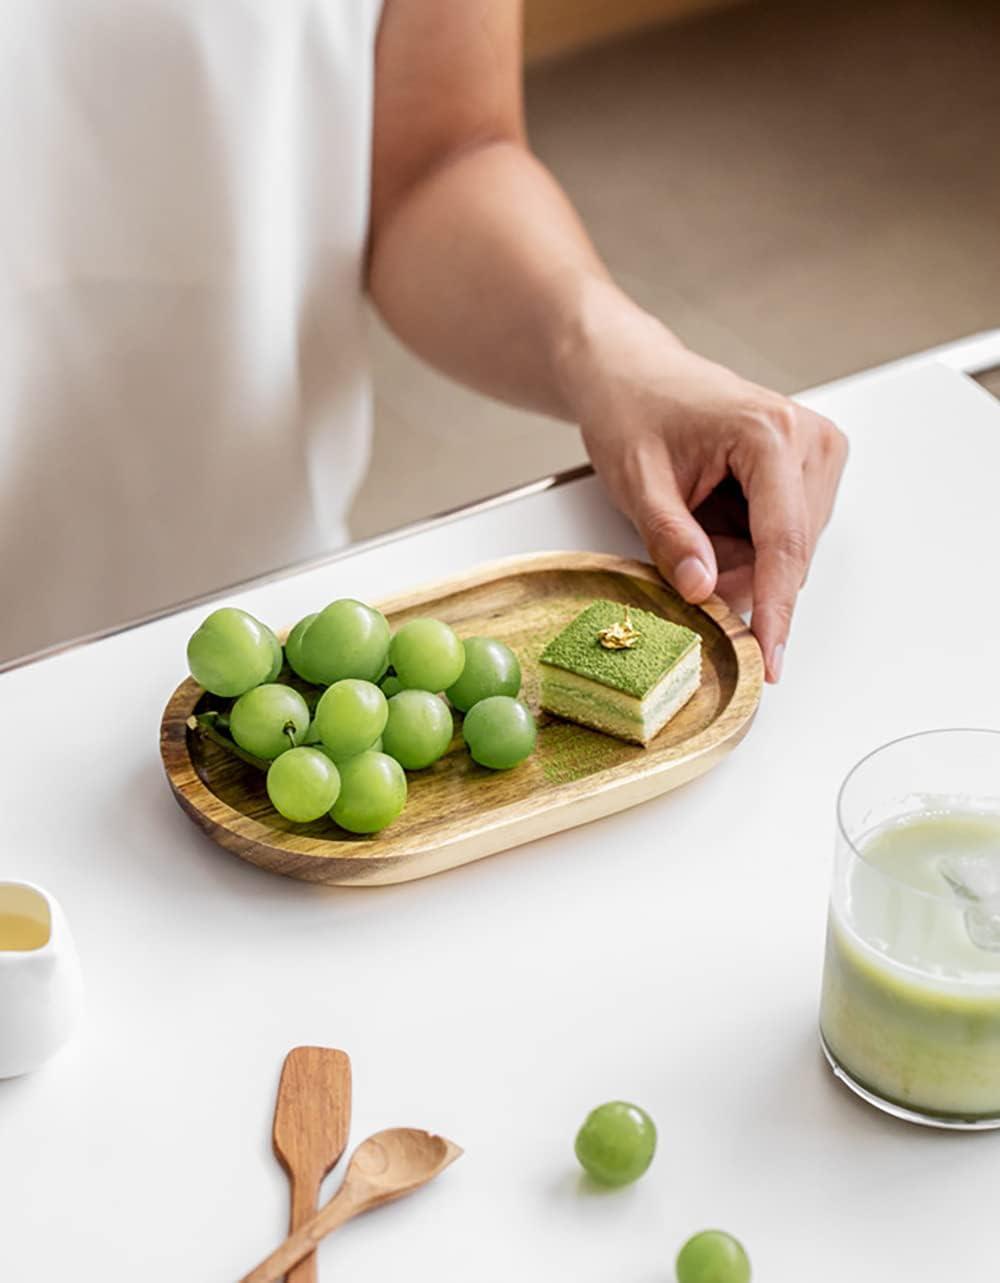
pixel 670 955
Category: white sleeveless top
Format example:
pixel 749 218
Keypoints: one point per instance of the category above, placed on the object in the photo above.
pixel 184 395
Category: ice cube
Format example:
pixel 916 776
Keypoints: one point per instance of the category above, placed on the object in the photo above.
pixel 975 879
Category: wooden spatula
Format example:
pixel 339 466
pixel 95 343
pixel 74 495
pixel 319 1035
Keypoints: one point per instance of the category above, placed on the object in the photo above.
pixel 312 1121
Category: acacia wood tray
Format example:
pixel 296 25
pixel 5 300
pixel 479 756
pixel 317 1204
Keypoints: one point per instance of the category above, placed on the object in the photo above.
pixel 457 811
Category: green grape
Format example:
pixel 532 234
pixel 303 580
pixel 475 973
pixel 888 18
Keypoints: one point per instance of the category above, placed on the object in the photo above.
pixel 500 732
pixel 312 736
pixel 427 655
pixel 293 648
pixel 350 717
pixel 230 652
pixel 374 748
pixel 303 784
pixel 277 655
pixel 347 639
pixel 491 668
pixel 418 730
pixel 372 792
pixel 391 685
pixel 616 1143
pixel 268 720
pixel 713 1256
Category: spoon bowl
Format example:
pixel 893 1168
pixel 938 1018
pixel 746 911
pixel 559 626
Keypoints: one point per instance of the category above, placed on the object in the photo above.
pixel 394 1162
pixel 384 1167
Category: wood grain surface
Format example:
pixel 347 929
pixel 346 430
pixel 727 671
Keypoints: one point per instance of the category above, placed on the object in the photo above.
pixel 312 1124
pixel 457 811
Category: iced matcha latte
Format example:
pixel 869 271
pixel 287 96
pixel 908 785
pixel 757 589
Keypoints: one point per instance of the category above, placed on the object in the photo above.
pixel 910 1013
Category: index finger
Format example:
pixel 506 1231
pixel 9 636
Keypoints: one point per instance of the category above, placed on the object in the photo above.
pixel 779 528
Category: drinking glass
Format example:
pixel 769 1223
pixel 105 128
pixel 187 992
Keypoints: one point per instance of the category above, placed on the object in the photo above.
pixel 910 1009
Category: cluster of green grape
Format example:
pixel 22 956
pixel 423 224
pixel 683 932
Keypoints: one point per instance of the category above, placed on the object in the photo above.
pixel 381 712
pixel 615 1146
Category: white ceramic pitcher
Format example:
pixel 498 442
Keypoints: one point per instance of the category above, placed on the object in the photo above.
pixel 41 992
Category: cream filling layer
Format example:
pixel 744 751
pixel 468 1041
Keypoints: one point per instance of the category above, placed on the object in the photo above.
pixel 581 699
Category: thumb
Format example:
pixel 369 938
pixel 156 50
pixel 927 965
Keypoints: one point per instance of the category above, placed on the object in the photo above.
pixel 678 545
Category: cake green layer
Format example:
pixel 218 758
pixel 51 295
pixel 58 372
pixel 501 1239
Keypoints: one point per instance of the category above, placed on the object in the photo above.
pixel 603 709
pixel 634 671
pixel 589 703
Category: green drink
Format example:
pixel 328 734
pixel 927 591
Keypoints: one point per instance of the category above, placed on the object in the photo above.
pixel 910 1013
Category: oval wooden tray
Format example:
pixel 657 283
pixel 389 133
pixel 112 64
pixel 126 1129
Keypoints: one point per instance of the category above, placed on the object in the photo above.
pixel 457 811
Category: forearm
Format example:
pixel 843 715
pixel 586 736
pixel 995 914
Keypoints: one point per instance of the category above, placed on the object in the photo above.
pixel 485 271
pixel 480 265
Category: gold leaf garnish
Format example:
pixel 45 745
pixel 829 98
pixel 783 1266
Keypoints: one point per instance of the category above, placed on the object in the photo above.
pixel 621 636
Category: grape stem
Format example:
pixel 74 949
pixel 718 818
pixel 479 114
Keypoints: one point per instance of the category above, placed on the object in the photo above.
pixel 289 730
pixel 213 726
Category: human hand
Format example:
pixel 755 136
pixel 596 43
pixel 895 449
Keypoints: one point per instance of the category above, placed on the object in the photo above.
pixel 730 485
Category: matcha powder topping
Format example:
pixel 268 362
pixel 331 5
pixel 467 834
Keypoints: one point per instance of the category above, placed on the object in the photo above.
pixel 632 666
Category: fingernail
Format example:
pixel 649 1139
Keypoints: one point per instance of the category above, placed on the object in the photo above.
pixel 692 577
pixel 777 660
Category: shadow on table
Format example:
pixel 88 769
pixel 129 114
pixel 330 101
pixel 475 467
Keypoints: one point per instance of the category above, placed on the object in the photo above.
pixel 150 846
pixel 803 1095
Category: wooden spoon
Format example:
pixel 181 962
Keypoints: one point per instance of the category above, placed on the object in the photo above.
pixel 385 1166
pixel 312 1121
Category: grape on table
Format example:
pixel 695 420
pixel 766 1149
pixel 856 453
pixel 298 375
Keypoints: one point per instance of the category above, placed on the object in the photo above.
pixel 616 1143
pixel 713 1256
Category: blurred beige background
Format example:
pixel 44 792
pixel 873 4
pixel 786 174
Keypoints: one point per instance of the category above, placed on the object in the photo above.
pixel 799 190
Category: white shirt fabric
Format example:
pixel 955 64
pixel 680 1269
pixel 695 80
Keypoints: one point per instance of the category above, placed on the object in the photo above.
pixel 184 392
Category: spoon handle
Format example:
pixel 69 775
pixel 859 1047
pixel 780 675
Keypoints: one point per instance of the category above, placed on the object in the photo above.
pixel 340 1209
pixel 304 1199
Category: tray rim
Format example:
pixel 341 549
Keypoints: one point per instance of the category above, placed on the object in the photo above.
pixel 635 779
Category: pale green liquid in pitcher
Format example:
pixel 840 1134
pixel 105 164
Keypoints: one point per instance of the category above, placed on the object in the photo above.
pixel 911 992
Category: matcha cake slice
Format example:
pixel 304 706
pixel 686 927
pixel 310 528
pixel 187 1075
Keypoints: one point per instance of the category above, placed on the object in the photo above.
pixel 620 670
